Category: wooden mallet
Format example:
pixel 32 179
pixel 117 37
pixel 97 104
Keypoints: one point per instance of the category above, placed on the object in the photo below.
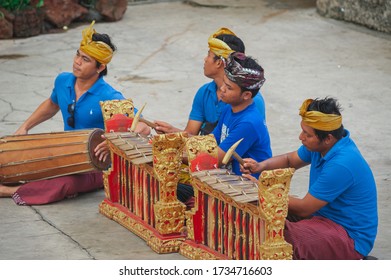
pixel 231 152
pixel 138 118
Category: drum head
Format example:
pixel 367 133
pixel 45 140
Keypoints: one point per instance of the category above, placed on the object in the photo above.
pixel 94 140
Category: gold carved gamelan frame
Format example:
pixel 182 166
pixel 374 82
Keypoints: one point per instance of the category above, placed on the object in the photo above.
pixel 111 107
pixel 222 227
pixel 141 186
pixel 141 195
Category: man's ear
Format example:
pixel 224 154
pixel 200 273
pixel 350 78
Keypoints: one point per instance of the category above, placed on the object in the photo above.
pixel 247 95
pixel 101 68
pixel 329 139
pixel 220 63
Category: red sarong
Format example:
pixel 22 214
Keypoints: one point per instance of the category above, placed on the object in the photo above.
pixel 319 238
pixel 56 189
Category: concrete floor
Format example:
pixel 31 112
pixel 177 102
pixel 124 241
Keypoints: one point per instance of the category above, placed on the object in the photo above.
pixel 161 47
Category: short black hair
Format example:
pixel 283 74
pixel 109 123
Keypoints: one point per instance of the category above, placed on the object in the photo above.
pixel 234 42
pixel 327 105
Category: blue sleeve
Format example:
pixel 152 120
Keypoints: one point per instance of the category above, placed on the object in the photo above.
pixel 304 154
pixel 53 96
pixel 260 104
pixel 197 109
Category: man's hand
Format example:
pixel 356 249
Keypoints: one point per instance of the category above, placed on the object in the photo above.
pixel 251 178
pixel 250 166
pixel 21 131
pixel 102 150
pixel 143 129
pixel 163 127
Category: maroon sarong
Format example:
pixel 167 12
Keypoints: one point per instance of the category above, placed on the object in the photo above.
pixel 56 189
pixel 319 238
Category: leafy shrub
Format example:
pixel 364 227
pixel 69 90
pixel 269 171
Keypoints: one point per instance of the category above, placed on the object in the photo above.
pixel 17 5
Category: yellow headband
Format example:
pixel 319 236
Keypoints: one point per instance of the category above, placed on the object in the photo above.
pixel 98 50
pixel 319 120
pixel 218 47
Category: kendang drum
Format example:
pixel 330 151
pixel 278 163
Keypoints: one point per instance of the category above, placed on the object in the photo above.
pixel 39 156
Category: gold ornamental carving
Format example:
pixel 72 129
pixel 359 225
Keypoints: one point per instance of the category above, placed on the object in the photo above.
pixel 132 224
pixel 203 147
pixel 112 107
pixel 273 192
pixel 106 182
pixel 170 217
pixel 201 144
pixel 167 159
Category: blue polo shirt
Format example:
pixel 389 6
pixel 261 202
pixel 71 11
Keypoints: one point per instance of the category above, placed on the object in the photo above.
pixel 87 111
pixel 207 108
pixel 249 125
pixel 344 179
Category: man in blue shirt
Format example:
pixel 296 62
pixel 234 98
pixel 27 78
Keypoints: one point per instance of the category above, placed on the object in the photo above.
pixel 241 119
pixel 337 218
pixel 207 104
pixel 86 111
pixel 77 96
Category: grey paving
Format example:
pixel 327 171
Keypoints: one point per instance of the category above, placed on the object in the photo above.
pixel 161 47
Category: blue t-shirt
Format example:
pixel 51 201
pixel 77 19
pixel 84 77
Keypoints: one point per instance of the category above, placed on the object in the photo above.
pixel 344 179
pixel 249 125
pixel 87 110
pixel 207 108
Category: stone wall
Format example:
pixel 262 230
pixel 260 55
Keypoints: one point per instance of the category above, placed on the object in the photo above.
pixel 57 15
pixel 375 14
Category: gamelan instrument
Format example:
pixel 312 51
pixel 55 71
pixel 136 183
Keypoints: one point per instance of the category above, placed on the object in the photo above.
pixel 233 217
pixel 39 156
pixel 140 187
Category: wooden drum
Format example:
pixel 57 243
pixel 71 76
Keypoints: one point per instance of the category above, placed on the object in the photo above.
pixel 39 156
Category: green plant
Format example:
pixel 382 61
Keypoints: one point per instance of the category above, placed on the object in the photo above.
pixel 16 5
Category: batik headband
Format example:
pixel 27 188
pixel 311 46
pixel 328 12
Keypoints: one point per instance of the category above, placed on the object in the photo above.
pixel 246 78
pixel 219 47
pixel 319 120
pixel 98 50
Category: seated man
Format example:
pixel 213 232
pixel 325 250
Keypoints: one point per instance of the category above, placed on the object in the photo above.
pixel 241 119
pixel 207 103
pixel 77 96
pixel 337 218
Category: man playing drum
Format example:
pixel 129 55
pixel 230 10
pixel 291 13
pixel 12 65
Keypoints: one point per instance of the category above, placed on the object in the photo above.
pixel 77 96
pixel 337 218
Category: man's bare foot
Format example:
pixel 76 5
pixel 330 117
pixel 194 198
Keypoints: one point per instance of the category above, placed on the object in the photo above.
pixel 6 191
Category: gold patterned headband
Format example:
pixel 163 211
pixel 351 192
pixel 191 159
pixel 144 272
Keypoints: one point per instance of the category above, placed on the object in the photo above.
pixel 319 120
pixel 219 47
pixel 98 50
